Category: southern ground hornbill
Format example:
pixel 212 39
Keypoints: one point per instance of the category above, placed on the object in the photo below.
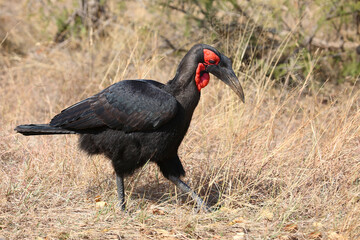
pixel 135 121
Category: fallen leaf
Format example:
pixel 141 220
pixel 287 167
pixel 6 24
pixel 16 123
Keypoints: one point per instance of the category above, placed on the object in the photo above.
pixel 239 236
pixel 315 235
pixel 100 205
pixel 97 198
pixel 267 214
pixel 286 237
pixel 237 220
pixel 317 225
pixel 157 211
pixel 336 236
pixel 147 232
pixel 163 232
pixel 292 227
pixel 217 237
pixel 3 201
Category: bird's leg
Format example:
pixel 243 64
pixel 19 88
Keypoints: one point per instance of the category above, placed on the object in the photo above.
pixel 185 188
pixel 120 191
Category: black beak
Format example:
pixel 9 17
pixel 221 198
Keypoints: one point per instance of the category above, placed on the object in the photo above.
pixel 225 73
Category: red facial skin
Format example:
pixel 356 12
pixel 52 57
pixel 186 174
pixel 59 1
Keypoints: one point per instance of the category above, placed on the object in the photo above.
pixel 202 78
pixel 211 56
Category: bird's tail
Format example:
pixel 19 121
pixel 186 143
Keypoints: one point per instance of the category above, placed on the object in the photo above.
pixel 41 129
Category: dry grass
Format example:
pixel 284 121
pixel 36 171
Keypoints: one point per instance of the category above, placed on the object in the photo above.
pixel 285 165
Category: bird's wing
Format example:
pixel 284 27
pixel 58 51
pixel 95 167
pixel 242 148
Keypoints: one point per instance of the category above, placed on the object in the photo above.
pixel 131 105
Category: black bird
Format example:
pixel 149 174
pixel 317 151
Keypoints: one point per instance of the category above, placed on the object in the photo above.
pixel 135 121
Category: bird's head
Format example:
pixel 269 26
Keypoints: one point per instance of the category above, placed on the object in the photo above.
pixel 210 60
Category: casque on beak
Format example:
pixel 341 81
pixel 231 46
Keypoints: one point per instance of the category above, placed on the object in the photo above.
pixel 225 73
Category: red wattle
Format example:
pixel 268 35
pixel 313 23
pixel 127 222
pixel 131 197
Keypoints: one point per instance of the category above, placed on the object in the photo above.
pixel 204 79
pixel 201 79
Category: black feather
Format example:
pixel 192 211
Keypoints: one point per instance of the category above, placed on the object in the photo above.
pixel 130 105
pixel 41 129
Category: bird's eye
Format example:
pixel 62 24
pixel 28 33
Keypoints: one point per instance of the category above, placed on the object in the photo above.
pixel 210 57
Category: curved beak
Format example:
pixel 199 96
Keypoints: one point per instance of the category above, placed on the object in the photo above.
pixel 227 75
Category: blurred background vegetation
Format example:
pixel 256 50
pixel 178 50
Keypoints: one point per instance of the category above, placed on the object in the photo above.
pixel 281 36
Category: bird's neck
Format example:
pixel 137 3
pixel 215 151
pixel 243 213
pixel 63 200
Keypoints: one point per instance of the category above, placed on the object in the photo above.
pixel 184 89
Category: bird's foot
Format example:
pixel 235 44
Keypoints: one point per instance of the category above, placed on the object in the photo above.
pixel 121 205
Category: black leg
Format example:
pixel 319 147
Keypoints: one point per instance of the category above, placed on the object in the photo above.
pixel 185 188
pixel 120 191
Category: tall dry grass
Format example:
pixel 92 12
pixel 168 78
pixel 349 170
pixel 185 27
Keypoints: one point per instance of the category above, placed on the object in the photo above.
pixel 285 165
